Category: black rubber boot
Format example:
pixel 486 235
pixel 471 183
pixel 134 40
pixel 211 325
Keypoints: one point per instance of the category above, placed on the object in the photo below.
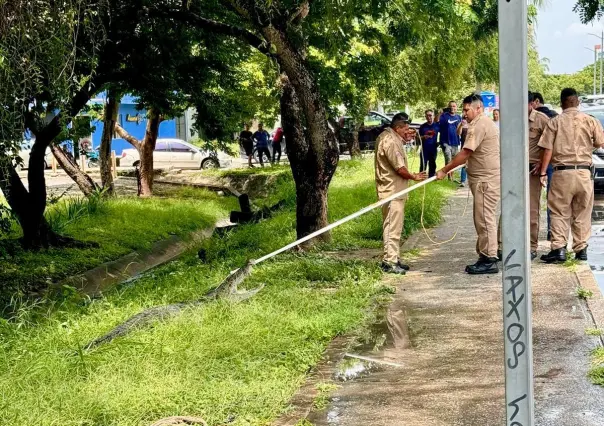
pixel 390 268
pixel 581 254
pixel 402 265
pixel 555 256
pixel 485 265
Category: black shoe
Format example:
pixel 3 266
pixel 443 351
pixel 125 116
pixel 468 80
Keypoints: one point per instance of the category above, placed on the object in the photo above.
pixel 555 256
pixel 581 254
pixel 499 255
pixel 485 265
pixel 533 255
pixel 402 265
pixel 390 268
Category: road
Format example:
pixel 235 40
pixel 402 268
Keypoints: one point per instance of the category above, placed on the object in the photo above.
pixel 596 244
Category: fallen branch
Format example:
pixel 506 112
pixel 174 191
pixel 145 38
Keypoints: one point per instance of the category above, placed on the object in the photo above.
pixel 227 290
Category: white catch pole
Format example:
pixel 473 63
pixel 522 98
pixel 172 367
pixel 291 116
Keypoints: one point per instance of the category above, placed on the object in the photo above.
pixel 349 218
pixel 517 307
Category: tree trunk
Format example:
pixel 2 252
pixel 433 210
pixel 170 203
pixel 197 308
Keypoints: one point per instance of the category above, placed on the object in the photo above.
pixel 315 156
pixel 83 180
pixel 355 147
pixel 109 120
pixel 146 148
pixel 311 181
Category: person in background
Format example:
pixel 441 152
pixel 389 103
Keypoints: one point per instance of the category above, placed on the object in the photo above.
pixel 391 176
pixel 449 137
pixel 277 139
pixel 539 105
pixel 463 133
pixel 247 142
pixel 481 152
pixel 261 137
pixel 568 142
pixel 496 117
pixel 428 133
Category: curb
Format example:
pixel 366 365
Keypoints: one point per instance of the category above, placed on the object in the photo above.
pixel 595 304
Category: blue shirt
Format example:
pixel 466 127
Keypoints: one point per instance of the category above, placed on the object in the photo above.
pixel 261 138
pixel 425 128
pixel 448 129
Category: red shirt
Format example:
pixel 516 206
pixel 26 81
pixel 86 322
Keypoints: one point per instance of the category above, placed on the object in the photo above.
pixel 278 135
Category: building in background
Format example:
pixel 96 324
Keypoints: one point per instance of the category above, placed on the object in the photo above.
pixel 134 121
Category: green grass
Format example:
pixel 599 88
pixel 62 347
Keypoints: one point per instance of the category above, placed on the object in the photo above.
pixel 596 373
pixel 118 226
pixel 583 293
pixel 218 361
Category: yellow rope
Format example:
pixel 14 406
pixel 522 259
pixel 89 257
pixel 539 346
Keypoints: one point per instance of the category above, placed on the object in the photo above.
pixel 438 243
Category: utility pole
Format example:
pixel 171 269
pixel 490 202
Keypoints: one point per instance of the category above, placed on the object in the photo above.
pixel 601 37
pixel 595 50
pixel 517 304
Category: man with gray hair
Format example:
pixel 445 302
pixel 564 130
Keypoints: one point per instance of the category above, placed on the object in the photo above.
pixel 481 152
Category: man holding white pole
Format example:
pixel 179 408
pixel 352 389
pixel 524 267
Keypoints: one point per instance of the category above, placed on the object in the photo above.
pixel 392 176
pixel 481 151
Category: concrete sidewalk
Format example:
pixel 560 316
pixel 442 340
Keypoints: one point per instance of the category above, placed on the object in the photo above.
pixel 446 356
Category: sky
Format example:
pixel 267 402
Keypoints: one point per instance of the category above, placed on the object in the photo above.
pixel 562 38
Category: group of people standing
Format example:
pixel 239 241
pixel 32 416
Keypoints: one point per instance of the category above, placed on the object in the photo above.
pixel 560 148
pixel 446 129
pixel 261 139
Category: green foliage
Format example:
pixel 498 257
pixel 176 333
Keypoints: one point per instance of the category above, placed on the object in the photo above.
pixel 583 293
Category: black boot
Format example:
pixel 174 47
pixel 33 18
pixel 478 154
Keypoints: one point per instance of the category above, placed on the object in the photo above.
pixel 391 268
pixel 402 265
pixel 533 255
pixel 555 256
pixel 581 254
pixel 485 265
pixel 499 255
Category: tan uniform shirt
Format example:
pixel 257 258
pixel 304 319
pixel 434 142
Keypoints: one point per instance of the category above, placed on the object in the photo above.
pixel 537 123
pixel 572 136
pixel 389 157
pixel 483 141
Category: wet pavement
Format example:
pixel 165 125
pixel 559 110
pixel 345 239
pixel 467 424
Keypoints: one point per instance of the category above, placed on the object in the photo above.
pixel 595 251
pixel 441 362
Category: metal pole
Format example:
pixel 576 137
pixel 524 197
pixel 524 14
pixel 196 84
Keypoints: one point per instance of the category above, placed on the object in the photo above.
pixel 600 60
pixel 595 65
pixel 517 306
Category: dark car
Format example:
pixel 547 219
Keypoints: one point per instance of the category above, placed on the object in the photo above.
pixel 374 123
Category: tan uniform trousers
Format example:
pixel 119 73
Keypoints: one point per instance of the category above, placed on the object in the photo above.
pixel 486 198
pixel 393 215
pixel 570 200
pixel 535 191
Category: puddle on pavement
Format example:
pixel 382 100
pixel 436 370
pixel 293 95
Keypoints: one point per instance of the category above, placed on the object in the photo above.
pixel 354 368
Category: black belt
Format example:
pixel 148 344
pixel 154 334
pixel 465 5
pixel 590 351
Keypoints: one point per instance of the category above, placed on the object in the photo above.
pixel 556 168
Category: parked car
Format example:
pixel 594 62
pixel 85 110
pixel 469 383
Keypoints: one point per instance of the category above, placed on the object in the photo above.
pixel 374 123
pixel 24 152
pixel 598 154
pixel 180 154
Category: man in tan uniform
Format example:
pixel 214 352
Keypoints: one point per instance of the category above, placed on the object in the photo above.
pixel 392 176
pixel 568 141
pixel 481 152
pixel 537 123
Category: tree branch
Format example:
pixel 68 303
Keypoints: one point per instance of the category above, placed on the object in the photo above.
pixel 217 27
pixel 126 136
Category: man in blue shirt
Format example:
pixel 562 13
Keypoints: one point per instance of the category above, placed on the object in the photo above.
pixel 261 137
pixel 449 135
pixel 428 132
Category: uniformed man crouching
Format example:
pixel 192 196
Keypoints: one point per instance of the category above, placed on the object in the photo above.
pixel 392 176
pixel 481 152
pixel 568 141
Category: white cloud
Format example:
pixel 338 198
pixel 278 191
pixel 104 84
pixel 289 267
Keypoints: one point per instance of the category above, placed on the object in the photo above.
pixel 558 34
pixel 578 29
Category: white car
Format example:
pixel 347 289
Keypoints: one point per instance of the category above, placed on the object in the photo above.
pixel 178 153
pixel 24 152
pixel 597 156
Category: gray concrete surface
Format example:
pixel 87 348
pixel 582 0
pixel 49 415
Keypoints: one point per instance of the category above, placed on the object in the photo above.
pixel 445 359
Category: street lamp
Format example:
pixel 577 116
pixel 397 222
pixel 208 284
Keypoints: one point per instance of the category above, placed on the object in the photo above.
pixel 595 65
pixel 601 37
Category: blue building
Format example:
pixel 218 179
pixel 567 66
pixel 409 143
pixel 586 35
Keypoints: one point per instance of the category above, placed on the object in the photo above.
pixel 134 121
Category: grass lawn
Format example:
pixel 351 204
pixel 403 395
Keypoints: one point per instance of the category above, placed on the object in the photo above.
pixel 118 226
pixel 220 361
